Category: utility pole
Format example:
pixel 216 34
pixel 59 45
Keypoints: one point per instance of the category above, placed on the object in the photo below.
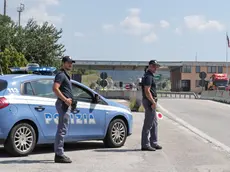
pixel 196 57
pixel 20 10
pixel 4 13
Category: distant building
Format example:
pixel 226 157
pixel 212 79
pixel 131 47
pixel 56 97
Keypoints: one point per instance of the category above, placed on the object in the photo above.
pixel 186 77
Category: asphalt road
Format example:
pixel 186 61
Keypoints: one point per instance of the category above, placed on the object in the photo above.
pixel 210 117
pixel 182 151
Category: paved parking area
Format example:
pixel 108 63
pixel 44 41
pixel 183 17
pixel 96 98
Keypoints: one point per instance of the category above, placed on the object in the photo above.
pixel 182 152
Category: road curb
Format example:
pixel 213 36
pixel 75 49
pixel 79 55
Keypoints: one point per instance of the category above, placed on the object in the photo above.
pixel 194 130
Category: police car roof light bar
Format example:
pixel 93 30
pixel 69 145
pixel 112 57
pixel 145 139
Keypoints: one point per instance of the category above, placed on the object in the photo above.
pixel 34 69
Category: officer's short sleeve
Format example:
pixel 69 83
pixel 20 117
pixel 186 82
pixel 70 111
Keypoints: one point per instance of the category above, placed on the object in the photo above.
pixel 59 78
pixel 148 80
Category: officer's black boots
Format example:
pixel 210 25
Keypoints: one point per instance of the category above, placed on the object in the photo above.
pixel 148 149
pixel 156 146
pixel 62 159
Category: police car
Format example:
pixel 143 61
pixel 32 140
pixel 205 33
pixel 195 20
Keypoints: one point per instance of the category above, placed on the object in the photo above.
pixel 28 115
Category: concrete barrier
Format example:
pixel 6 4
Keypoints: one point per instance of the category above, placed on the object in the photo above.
pixel 217 95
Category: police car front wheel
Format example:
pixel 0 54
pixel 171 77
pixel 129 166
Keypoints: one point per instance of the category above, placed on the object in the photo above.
pixel 116 134
pixel 21 140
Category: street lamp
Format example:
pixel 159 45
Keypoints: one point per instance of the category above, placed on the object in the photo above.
pixel 4 8
pixel 20 10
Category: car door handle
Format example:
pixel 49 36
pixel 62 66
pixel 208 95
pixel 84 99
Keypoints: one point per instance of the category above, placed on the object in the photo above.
pixel 39 108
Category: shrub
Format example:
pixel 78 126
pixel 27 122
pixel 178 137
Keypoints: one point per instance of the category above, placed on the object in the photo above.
pixel 134 104
pixel 141 109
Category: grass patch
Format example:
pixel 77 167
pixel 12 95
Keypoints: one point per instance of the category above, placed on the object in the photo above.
pixel 137 106
pixel 141 109
pixel 134 105
pixel 88 79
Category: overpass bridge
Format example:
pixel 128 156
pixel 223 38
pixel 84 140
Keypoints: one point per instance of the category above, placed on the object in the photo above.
pixel 139 65
pixel 122 65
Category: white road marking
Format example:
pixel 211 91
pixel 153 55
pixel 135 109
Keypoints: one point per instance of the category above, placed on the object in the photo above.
pixel 195 130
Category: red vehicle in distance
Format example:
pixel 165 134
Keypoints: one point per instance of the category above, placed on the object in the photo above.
pixel 218 81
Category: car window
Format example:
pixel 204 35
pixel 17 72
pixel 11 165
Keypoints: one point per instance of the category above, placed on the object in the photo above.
pixel 28 89
pixel 3 84
pixel 81 94
pixel 41 88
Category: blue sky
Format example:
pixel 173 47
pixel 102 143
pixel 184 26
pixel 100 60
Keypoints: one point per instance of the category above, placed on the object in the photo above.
pixel 166 30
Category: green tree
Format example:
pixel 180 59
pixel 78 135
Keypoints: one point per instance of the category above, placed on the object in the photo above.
pixel 7 31
pixel 38 42
pixel 41 43
pixel 11 58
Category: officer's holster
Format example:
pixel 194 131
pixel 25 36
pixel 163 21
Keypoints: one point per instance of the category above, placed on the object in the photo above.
pixel 73 105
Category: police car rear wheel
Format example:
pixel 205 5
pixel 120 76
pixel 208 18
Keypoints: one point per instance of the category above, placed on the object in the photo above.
pixel 116 134
pixel 21 140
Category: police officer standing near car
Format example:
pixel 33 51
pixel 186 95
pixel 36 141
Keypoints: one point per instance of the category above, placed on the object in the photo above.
pixel 62 87
pixel 149 100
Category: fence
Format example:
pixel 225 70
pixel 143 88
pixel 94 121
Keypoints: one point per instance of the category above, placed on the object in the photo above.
pixel 129 94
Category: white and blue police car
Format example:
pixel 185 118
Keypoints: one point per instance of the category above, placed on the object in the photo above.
pixel 28 116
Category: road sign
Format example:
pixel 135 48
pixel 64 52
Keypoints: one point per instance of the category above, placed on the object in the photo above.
pixel 121 84
pixel 103 75
pixel 103 83
pixel 202 83
pixel 157 77
pixel 202 75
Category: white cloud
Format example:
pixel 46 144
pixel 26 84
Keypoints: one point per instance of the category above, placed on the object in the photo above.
pixel 38 10
pixel 40 14
pixel 200 23
pixel 108 27
pixel 164 24
pixel 132 24
pixel 150 38
pixel 79 34
pixel 49 2
pixel 178 31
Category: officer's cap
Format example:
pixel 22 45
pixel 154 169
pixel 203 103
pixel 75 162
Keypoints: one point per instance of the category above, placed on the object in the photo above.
pixel 67 59
pixel 154 62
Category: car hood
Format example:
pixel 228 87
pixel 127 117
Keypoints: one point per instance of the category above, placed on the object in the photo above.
pixel 112 103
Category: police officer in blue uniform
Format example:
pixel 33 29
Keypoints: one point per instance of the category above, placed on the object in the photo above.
pixel 62 87
pixel 149 100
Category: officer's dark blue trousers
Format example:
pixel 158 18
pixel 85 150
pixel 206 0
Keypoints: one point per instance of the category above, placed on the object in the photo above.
pixel 62 128
pixel 149 130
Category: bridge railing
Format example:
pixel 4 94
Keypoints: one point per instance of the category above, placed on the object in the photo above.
pixel 177 94
pixel 129 94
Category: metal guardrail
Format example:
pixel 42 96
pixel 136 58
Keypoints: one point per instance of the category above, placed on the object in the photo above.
pixel 129 94
pixel 177 94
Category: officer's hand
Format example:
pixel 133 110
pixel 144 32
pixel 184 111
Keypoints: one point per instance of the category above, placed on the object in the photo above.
pixel 68 101
pixel 153 106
